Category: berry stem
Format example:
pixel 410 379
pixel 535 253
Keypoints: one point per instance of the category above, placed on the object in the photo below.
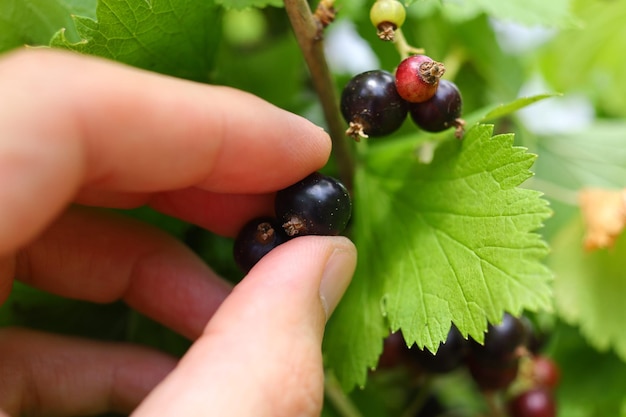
pixel 341 403
pixel 403 47
pixel 308 33
pixel 493 403
pixel 454 61
pixel 420 398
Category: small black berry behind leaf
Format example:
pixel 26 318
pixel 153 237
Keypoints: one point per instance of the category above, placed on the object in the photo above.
pixel 316 205
pixel 450 355
pixel 255 239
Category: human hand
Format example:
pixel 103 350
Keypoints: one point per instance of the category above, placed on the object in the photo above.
pixel 80 130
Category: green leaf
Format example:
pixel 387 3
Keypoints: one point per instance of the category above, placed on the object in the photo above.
pixel 408 143
pixel 592 157
pixel 554 13
pixel 509 108
pixel 589 288
pixel 33 308
pixel 589 58
pixel 582 393
pixel 242 4
pixel 34 22
pixel 278 84
pixel 448 241
pixel 174 37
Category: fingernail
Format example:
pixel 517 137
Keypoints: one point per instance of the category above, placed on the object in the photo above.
pixel 337 274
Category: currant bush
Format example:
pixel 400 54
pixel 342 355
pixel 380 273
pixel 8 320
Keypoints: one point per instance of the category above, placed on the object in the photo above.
pixel 417 78
pixel 371 105
pixel 316 205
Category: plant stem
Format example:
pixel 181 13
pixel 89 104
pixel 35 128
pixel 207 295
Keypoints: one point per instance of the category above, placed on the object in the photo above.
pixel 495 408
pixel 454 60
pixel 420 399
pixel 403 47
pixel 338 398
pixel 309 36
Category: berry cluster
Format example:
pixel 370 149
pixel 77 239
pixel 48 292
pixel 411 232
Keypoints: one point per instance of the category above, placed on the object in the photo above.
pixel 508 364
pixel 315 205
pixel 375 103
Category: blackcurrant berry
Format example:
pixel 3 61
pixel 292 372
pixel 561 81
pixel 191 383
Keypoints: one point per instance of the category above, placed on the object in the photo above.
pixel 441 111
pixel 502 342
pixel 371 105
pixel 417 78
pixel 536 402
pixel 450 354
pixel 537 338
pixel 316 205
pixel 255 239
pixel 490 377
pixel 387 16
pixel 395 352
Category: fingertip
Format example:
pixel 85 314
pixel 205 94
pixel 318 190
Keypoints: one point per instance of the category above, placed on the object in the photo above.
pixel 305 273
pixel 337 274
pixel 313 141
pixel 266 149
pixel 266 336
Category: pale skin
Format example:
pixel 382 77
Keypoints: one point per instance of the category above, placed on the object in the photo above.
pixel 78 134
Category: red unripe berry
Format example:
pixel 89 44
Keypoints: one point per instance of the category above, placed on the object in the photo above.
pixel 545 372
pixel 417 78
pixel 536 402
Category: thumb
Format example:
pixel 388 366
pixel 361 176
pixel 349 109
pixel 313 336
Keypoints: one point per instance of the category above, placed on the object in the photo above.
pixel 261 352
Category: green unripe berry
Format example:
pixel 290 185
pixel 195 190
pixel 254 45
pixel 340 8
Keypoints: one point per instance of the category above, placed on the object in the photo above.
pixel 387 15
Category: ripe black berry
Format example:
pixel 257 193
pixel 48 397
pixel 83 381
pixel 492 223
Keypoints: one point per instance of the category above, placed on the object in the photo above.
pixel 441 111
pixel 316 205
pixel 255 239
pixel 492 377
pixel 502 342
pixel 371 105
pixel 450 354
pixel 395 351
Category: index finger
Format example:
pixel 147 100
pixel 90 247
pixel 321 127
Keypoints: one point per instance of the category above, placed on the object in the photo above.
pixel 70 123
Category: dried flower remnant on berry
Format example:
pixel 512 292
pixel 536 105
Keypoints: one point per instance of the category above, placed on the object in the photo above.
pixel 324 14
pixel 387 16
pixel 255 240
pixel 315 205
